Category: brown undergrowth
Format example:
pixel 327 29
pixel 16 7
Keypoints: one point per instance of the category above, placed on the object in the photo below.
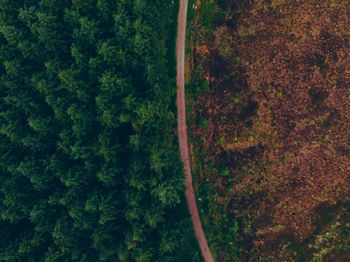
pixel 278 115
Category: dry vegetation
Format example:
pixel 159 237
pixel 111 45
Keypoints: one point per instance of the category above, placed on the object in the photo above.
pixel 278 115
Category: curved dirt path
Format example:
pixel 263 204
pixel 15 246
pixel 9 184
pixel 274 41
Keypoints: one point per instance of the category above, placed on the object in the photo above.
pixel 182 131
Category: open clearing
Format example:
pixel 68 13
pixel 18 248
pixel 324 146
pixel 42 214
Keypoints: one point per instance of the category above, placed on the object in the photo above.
pixel 275 121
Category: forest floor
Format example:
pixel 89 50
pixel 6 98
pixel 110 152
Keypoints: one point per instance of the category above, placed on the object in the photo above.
pixel 270 120
pixel 182 132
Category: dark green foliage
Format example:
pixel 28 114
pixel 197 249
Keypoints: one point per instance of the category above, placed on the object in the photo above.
pixel 89 166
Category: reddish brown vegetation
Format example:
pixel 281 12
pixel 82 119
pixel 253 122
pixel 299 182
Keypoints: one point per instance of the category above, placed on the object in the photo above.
pixel 283 114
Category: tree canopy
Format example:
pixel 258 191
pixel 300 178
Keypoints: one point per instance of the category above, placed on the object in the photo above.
pixel 89 164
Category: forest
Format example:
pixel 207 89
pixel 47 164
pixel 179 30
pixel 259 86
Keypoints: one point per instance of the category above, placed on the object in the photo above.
pixel 89 162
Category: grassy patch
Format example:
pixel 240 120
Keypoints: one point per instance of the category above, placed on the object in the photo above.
pixel 222 230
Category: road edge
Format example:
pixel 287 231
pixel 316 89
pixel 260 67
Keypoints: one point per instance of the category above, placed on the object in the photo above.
pixel 182 131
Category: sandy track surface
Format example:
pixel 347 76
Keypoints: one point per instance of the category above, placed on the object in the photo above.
pixel 182 131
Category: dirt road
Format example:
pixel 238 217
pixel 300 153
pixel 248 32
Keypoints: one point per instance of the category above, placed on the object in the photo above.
pixel 182 131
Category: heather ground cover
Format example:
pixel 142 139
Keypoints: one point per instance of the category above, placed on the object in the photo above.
pixel 270 125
